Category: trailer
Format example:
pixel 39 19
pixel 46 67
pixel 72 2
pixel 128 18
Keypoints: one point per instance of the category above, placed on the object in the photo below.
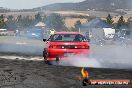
pixel 101 35
pixel 109 33
pixel 3 32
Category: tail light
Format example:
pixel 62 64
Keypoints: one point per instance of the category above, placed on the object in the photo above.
pixel 69 47
pixel 82 47
pixel 85 46
pixel 55 46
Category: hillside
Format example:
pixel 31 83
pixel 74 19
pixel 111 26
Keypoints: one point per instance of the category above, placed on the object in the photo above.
pixel 3 10
pixel 90 4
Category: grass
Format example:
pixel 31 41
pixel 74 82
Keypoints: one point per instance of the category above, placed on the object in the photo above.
pixel 70 22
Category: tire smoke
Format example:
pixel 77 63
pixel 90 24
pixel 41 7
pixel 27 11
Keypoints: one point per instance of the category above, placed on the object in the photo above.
pixel 110 56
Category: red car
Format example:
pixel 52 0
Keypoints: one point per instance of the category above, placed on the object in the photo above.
pixel 64 44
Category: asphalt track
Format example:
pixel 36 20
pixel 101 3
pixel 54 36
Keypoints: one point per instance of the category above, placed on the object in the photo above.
pixel 22 66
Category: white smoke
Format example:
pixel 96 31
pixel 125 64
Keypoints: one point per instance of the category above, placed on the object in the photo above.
pixel 19 45
pixel 81 61
pixel 110 56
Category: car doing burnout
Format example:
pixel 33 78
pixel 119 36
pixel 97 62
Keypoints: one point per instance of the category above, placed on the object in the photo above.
pixel 64 44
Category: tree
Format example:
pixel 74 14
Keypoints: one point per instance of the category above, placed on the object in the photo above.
pixel 77 25
pixel 121 22
pixel 89 18
pixel 72 29
pixel 27 22
pixel 129 22
pixel 10 18
pixel 19 18
pixel 129 25
pixel 18 21
pixel 55 21
pixel 38 18
pixel 109 19
pixel 2 22
pixel 11 24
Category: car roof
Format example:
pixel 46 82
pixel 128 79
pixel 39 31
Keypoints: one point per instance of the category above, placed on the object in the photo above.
pixel 68 33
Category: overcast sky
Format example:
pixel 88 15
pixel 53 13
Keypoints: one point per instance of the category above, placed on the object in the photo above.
pixel 27 4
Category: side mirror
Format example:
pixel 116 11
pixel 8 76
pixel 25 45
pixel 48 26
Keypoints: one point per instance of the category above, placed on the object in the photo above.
pixel 44 40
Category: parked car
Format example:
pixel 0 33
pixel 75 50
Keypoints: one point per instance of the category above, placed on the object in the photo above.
pixel 34 34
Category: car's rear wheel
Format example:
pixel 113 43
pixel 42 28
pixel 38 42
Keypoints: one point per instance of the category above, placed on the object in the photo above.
pixel 48 62
pixel 53 62
pixel 45 55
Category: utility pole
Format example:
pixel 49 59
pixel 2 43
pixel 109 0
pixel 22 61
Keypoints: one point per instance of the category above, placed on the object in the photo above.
pixel 79 29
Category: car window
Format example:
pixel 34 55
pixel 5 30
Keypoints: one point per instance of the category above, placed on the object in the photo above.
pixel 68 38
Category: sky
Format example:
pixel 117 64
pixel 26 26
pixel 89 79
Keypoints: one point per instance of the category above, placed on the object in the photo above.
pixel 28 4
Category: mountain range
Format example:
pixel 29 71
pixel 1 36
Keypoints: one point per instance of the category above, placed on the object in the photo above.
pixel 89 4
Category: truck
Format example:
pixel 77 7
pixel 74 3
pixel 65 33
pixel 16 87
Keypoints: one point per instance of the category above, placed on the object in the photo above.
pixel 101 35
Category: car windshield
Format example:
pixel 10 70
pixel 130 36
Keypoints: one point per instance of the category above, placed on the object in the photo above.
pixel 68 38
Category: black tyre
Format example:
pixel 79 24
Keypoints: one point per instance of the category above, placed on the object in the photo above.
pixel 45 55
pixel 49 63
pixel 53 62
